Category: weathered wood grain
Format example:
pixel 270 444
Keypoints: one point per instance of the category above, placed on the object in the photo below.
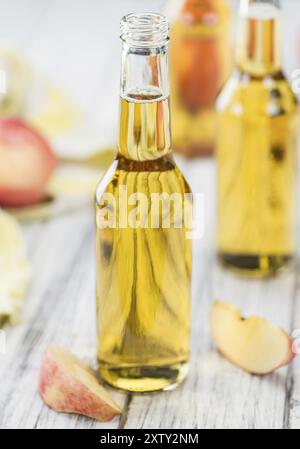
pixel 293 391
pixel 60 309
pixel 216 394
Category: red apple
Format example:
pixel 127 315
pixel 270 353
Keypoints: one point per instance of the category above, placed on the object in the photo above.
pixel 26 163
pixel 68 385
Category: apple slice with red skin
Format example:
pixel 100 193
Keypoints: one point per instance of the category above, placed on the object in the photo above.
pixel 26 164
pixel 253 344
pixel 66 384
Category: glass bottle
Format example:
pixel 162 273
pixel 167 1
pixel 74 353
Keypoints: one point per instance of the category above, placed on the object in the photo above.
pixel 256 150
pixel 143 263
pixel 200 58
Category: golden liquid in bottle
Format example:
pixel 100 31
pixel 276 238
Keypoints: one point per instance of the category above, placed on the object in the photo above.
pixel 143 274
pixel 200 64
pixel 257 143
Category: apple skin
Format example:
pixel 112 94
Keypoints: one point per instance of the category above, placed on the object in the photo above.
pixel 254 345
pixel 26 164
pixel 67 385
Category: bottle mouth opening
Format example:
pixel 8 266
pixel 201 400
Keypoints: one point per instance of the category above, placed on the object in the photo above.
pixel 145 29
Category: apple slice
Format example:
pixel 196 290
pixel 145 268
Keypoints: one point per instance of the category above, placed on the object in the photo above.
pixel 253 344
pixel 26 163
pixel 66 384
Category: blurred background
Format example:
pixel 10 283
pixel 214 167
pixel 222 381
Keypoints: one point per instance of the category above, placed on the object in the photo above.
pixel 75 45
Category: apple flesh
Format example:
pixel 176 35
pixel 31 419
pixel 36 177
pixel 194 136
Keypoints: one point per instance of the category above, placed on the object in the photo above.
pixel 66 384
pixel 26 164
pixel 253 344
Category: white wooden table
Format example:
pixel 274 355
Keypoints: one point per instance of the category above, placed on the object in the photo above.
pixel 60 307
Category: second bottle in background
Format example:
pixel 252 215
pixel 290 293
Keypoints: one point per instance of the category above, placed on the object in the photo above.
pixel 200 51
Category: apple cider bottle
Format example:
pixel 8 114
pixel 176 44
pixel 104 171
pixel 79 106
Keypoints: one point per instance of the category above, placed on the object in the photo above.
pixel 256 151
pixel 200 65
pixel 143 253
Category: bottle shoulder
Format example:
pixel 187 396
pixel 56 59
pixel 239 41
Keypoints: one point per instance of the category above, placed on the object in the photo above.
pixel 159 176
pixel 269 95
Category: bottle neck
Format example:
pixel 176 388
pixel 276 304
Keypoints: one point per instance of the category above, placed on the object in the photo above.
pixel 259 36
pixel 144 128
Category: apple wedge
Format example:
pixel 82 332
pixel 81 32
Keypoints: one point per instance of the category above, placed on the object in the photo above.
pixel 253 344
pixel 66 384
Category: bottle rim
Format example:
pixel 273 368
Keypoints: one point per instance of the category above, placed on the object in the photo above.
pixel 145 29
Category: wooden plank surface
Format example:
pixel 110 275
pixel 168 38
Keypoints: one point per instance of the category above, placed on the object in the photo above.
pixel 216 394
pixel 60 309
pixel 293 392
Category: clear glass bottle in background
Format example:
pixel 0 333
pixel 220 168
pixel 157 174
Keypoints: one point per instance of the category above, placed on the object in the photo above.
pixel 200 59
pixel 256 150
pixel 143 273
